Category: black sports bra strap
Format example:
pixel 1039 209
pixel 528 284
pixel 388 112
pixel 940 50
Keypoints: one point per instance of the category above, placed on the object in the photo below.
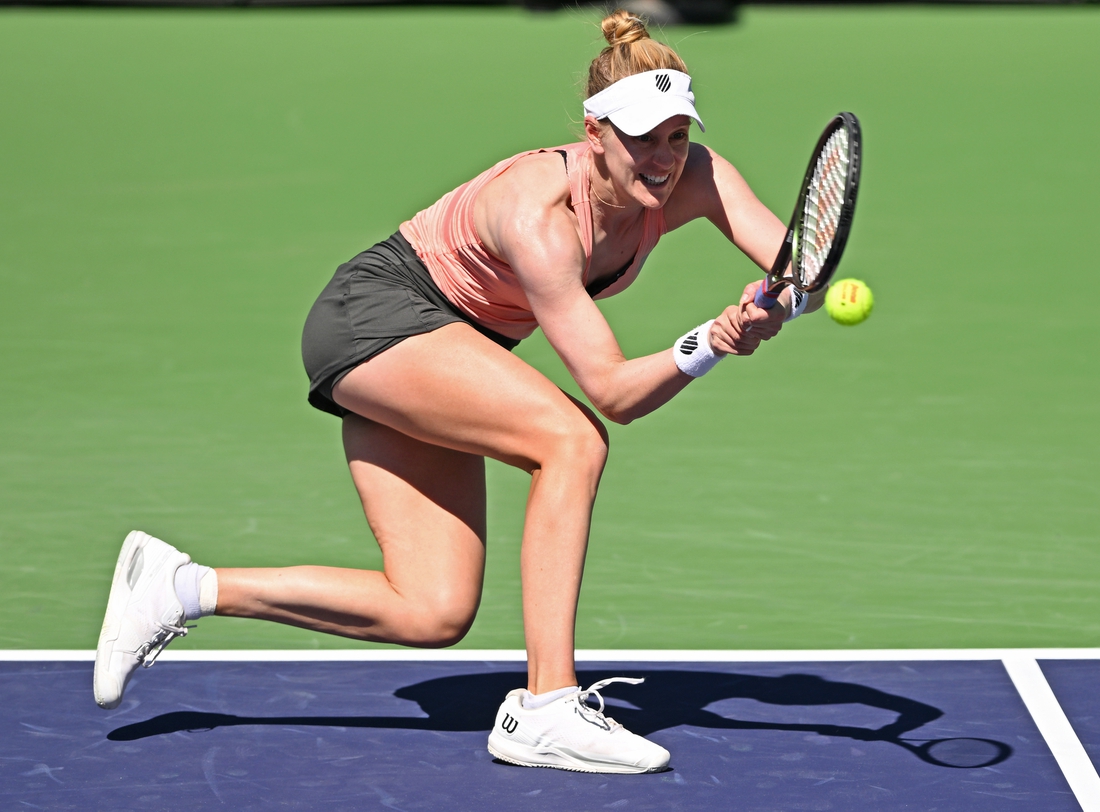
pixel 600 285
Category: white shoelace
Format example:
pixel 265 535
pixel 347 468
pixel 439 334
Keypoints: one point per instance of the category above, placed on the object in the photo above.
pixel 148 653
pixel 596 715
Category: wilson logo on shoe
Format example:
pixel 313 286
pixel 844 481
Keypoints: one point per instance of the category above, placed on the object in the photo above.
pixel 509 723
pixel 663 82
pixel 690 343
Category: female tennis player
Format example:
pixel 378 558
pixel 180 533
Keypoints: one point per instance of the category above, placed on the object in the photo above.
pixel 409 345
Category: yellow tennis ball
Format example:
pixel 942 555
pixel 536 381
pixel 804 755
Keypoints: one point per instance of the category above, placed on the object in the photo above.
pixel 849 301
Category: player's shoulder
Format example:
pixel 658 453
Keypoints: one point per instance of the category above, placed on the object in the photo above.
pixel 533 187
pixel 539 175
pixel 526 208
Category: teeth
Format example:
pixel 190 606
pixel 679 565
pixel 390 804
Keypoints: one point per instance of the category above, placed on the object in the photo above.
pixel 656 181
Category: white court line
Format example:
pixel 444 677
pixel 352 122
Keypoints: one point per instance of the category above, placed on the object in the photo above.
pixel 583 655
pixel 1058 733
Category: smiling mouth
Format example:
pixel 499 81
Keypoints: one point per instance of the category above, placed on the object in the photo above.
pixel 655 180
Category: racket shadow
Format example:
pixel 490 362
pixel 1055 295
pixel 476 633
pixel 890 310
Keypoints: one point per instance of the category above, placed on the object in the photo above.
pixel 671 698
pixel 667 699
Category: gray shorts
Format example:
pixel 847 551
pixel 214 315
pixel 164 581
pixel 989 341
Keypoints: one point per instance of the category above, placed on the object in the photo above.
pixel 375 301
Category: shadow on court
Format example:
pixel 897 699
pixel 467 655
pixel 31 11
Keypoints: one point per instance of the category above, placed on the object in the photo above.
pixel 667 699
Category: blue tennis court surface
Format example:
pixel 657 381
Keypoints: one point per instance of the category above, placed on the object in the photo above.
pixel 1076 683
pixel 888 734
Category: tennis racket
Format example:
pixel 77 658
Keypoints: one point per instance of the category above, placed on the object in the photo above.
pixel 822 218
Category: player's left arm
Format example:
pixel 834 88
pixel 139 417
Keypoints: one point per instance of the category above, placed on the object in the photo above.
pixel 711 187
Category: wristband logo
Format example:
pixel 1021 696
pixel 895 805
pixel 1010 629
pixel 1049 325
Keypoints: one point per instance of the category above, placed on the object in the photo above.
pixel 663 82
pixel 690 343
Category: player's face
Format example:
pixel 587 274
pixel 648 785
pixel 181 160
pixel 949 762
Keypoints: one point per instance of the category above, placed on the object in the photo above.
pixel 647 166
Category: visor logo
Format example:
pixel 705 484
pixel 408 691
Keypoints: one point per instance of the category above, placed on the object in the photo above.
pixel 663 82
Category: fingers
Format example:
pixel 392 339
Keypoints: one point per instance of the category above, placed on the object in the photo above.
pixel 733 333
pixel 783 302
pixel 740 328
pixel 765 323
pixel 725 333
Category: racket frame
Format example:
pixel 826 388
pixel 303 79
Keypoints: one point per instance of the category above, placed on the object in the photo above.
pixel 776 279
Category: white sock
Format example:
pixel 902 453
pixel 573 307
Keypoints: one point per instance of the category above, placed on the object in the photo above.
pixel 208 592
pixel 534 701
pixel 189 582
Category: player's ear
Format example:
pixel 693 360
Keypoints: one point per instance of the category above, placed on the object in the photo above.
pixel 593 131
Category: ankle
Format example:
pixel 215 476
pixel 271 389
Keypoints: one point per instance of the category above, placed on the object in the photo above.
pixel 532 701
pixel 197 589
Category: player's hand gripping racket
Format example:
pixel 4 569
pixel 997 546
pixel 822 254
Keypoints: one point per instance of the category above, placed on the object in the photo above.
pixel 822 217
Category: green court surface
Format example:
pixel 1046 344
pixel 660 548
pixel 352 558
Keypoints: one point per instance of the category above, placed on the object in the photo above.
pixel 177 186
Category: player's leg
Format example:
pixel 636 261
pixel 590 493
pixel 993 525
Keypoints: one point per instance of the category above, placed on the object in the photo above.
pixel 455 388
pixel 451 388
pixel 426 506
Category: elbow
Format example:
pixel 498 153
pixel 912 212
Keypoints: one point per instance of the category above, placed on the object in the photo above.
pixel 617 412
pixel 622 418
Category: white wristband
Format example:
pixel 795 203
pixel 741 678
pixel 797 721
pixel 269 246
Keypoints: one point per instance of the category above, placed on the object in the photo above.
pixel 692 351
pixel 798 304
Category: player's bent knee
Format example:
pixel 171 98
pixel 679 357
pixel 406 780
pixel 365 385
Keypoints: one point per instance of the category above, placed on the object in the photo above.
pixel 441 625
pixel 579 429
pixel 584 446
pixel 437 634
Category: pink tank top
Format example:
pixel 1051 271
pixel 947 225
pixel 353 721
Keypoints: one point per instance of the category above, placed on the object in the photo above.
pixel 484 287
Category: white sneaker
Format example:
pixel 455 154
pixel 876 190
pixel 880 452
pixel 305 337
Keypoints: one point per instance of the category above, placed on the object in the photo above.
pixel 570 734
pixel 143 614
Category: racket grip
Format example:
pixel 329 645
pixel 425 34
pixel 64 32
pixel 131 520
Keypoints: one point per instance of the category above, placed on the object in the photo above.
pixel 767 299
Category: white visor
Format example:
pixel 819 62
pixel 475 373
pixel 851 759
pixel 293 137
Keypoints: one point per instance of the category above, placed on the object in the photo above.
pixel 640 102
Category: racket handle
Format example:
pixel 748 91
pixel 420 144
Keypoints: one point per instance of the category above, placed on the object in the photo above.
pixel 767 299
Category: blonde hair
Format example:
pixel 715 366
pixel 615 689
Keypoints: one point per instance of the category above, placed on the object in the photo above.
pixel 630 50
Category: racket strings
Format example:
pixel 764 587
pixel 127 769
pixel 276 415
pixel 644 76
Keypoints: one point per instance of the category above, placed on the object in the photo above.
pixel 824 201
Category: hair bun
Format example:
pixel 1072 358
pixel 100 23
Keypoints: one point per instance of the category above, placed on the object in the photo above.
pixel 622 28
pixel 630 50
